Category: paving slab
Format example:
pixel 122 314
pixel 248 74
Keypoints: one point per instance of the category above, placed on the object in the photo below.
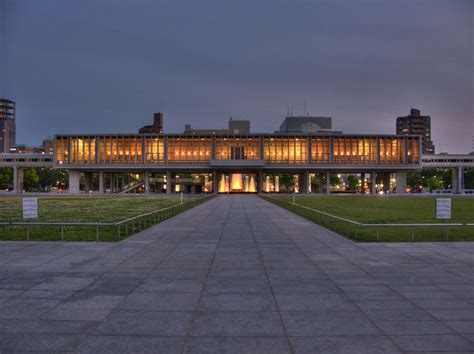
pixel 236 274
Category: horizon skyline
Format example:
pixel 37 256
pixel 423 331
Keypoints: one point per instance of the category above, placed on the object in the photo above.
pixel 79 69
pixel 438 146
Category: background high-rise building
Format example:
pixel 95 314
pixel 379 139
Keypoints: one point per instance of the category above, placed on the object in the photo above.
pixel 416 124
pixel 156 127
pixel 7 125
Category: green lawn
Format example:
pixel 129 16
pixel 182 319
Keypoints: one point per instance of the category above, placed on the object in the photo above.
pixel 78 209
pixel 386 210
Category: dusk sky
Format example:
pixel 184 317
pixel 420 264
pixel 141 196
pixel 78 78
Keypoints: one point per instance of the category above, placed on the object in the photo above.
pixel 105 66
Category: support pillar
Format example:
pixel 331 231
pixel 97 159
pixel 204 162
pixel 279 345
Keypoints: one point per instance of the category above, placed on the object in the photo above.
pixel 457 180
pixel 386 182
pixel 373 182
pixel 101 182
pixel 328 182
pixel 147 182
pixel 259 181
pixel 17 180
pixel 215 183
pixel 112 183
pixel 401 182
pixel 169 183
pixel 362 183
pixel 87 181
pixel 305 182
pixel 74 178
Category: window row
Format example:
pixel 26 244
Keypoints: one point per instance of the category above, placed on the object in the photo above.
pixel 274 150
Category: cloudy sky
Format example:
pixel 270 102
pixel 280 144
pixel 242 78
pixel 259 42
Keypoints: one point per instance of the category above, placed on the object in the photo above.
pixel 105 66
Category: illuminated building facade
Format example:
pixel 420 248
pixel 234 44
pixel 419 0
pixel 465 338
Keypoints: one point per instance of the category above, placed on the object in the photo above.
pixel 250 163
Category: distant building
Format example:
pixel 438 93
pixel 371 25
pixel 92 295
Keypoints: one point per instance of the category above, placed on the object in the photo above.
pixel 7 125
pixel 25 149
pixel 48 145
pixel 416 124
pixel 156 127
pixel 235 127
pixel 304 124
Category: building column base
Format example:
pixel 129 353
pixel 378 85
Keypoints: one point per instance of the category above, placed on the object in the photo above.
pixel 401 182
pixel 101 182
pixel 373 183
pixel 88 182
pixel 17 180
pixel 215 183
pixel 457 180
pixel 328 183
pixel 74 179
pixel 147 182
pixel 169 183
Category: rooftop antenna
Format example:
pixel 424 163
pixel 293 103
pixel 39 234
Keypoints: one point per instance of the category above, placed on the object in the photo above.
pixel 291 112
pixel 305 112
pixel 287 110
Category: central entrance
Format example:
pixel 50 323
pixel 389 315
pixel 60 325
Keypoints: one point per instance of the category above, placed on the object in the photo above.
pixel 237 183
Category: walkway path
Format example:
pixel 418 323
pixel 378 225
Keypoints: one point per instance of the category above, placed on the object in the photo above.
pixel 236 274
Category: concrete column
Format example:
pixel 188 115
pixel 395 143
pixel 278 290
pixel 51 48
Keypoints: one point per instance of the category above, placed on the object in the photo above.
pixel 305 182
pixel 328 182
pixel 386 181
pixel 17 179
pixel 362 183
pixel 74 178
pixel 373 182
pixel 169 183
pixel 147 182
pixel 401 182
pixel 259 181
pixel 112 183
pixel 101 182
pixel 87 181
pixel 457 180
pixel 215 183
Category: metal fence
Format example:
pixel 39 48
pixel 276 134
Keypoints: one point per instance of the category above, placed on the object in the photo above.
pixel 101 231
pixel 140 222
pixel 371 232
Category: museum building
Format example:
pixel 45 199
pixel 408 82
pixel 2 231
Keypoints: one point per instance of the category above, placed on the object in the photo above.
pixel 230 161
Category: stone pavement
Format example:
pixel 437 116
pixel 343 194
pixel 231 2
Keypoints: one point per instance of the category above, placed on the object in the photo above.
pixel 236 274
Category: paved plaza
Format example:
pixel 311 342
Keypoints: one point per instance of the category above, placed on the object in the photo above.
pixel 236 274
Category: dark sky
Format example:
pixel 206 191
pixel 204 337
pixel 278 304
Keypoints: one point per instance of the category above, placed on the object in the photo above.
pixel 106 66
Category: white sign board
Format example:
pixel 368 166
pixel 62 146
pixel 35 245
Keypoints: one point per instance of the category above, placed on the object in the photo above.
pixel 30 208
pixel 443 208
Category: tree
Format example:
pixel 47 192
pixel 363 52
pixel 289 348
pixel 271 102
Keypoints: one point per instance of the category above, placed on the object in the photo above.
pixel 352 183
pixel 30 179
pixel 432 175
pixel 334 180
pixel 50 177
pixel 287 180
pixel 414 179
pixel 6 176
pixel 435 182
